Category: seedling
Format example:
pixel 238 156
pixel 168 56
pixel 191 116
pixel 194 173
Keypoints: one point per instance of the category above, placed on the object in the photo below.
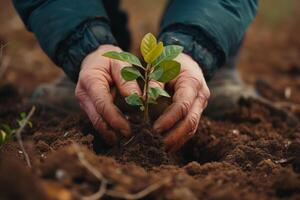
pixel 160 66
pixel 7 132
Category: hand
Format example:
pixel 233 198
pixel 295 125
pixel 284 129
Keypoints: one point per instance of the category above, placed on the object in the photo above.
pixel 98 74
pixel 190 97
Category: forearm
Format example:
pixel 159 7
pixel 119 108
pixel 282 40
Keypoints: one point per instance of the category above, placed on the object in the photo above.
pixel 67 30
pixel 210 30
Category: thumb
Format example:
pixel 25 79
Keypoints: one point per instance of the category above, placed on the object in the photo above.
pixel 156 84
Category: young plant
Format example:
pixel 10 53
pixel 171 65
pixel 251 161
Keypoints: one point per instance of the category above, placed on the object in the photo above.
pixel 160 66
pixel 7 132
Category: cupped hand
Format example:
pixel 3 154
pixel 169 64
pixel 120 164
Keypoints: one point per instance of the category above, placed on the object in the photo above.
pixel 93 91
pixel 181 118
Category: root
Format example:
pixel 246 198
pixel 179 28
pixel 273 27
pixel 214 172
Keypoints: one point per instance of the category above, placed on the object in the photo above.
pixel 94 171
pixel 103 191
pixel 3 62
pixel 128 142
pixel 19 136
pixel 290 105
pixel 138 195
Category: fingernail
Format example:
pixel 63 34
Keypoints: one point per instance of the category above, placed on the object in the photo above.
pixel 157 130
pixel 190 134
pixel 125 132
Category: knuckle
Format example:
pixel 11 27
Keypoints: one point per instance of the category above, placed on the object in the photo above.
pixel 87 79
pixel 85 76
pixel 79 94
pixel 127 85
pixel 127 88
pixel 184 108
pixel 203 99
pixel 100 105
pixel 98 123
pixel 196 82
pixel 193 121
pixel 155 83
pixel 206 92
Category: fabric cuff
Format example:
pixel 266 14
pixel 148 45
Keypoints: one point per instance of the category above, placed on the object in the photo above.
pixel 197 44
pixel 85 39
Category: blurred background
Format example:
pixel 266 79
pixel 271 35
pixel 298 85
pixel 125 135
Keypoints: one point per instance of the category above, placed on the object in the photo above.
pixel 270 57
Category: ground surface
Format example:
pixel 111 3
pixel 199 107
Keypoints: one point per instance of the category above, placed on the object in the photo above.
pixel 251 153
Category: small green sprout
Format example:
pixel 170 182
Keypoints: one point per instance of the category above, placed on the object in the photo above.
pixel 7 132
pixel 160 67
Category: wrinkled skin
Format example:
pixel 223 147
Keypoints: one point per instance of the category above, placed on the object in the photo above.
pixel 178 123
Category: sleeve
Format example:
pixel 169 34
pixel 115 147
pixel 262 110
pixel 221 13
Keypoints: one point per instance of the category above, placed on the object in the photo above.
pixel 67 30
pixel 209 30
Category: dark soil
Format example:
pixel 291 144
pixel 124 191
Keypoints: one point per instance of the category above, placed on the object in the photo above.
pixel 252 153
pixel 143 148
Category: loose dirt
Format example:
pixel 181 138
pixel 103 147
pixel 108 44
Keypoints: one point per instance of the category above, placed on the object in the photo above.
pixel 252 153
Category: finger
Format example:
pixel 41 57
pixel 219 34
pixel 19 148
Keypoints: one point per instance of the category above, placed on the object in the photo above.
pixel 126 88
pixel 186 128
pixel 97 121
pixel 184 96
pixel 98 91
pixel 156 84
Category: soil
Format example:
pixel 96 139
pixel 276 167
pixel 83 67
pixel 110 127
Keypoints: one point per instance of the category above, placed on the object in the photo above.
pixel 250 153
pixel 143 148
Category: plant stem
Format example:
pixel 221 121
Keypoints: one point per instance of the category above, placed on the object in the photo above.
pixel 145 94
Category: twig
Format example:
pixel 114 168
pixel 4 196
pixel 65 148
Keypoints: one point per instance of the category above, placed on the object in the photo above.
pixel 286 104
pixel 103 187
pixel 3 65
pixel 140 194
pixel 94 171
pixel 19 136
pixel 1 49
pixel 127 142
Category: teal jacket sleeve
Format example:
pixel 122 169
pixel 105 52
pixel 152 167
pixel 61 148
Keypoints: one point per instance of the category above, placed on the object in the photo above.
pixel 67 30
pixel 209 30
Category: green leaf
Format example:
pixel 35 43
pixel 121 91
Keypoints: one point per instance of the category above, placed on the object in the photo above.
pixel 154 93
pixel 3 137
pixel 23 115
pixel 148 43
pixel 130 73
pixel 124 56
pixel 142 108
pixel 169 53
pixel 154 53
pixel 134 100
pixel 171 69
pixel 152 101
pixel 157 73
pixel 30 124
pixel 20 122
pixel 7 128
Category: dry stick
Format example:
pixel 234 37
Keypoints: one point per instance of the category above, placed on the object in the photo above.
pixel 103 189
pixel 140 194
pixel 4 66
pixel 1 49
pixel 19 136
pixel 284 104
pixel 94 171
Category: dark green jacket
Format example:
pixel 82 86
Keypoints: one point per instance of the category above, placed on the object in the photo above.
pixel 67 30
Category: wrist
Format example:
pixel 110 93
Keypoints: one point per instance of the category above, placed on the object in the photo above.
pixel 85 39
pixel 197 44
pixel 95 57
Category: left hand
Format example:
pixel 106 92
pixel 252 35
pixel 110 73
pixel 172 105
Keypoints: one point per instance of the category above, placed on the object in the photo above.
pixel 191 94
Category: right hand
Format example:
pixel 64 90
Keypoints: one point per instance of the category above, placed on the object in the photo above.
pixel 98 74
